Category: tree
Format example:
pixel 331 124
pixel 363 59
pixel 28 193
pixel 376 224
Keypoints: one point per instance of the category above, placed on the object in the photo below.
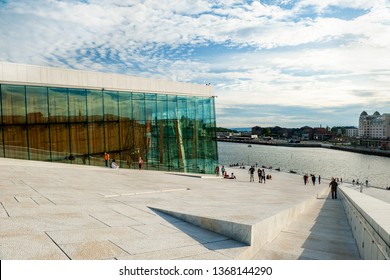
pixel 266 131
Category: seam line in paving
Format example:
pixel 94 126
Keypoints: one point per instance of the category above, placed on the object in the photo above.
pixel 59 247
pixel 99 221
pixel 5 209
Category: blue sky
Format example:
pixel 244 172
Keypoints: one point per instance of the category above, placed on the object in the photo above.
pixel 286 62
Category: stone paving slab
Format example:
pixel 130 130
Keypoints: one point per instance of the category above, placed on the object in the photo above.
pixel 88 212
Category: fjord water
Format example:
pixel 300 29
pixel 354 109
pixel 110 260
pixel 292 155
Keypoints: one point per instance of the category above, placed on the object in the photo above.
pixel 318 161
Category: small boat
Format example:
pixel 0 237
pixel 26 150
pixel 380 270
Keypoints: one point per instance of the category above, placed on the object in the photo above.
pixel 249 145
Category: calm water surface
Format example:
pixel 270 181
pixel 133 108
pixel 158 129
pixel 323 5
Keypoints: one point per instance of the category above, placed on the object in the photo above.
pixel 319 161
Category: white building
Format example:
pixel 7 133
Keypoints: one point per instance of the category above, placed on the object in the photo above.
pixel 351 132
pixel 375 126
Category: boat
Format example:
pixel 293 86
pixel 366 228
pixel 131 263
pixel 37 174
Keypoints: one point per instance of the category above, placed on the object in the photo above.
pixel 249 145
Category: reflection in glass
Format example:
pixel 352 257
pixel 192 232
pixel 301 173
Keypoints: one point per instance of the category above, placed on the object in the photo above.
pixel 37 107
pixel 169 132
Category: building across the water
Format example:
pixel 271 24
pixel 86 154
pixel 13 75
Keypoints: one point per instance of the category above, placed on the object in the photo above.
pixel 63 115
pixel 374 126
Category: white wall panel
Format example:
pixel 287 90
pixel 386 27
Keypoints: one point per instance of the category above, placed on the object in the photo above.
pixel 34 74
pixel 49 76
pixel 22 72
pixel 43 75
pixel 73 78
pixel 10 73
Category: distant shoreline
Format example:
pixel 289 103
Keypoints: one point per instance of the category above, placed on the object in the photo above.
pixel 366 151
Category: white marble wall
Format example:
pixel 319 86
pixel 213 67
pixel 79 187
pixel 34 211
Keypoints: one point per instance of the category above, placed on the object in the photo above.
pixel 369 219
pixel 12 73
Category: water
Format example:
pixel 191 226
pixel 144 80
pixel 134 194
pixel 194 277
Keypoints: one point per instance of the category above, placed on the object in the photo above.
pixel 319 161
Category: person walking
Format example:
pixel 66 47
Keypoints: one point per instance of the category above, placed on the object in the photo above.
pixel 319 179
pixel 216 170
pixel 313 179
pixel 333 188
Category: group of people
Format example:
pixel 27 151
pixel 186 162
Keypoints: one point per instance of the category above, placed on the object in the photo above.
pixel 224 173
pixel 260 174
pixel 313 179
pixel 114 165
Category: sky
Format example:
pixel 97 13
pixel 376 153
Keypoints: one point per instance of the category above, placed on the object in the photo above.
pixel 286 63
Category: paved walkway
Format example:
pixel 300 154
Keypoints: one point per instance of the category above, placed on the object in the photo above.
pixel 64 211
pixel 320 232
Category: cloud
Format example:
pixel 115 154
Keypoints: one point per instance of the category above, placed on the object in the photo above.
pixel 303 53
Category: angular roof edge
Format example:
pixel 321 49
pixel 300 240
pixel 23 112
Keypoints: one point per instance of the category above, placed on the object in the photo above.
pixel 13 73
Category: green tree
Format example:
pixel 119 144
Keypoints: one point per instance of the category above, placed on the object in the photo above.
pixel 266 131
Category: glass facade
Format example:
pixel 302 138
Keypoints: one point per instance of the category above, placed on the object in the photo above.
pixel 170 132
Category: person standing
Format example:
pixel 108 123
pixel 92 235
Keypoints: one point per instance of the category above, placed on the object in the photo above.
pixel 223 170
pixel 313 179
pixel 333 188
pixel 106 158
pixel 319 179
pixel 263 175
pixel 140 162
pixel 217 170
pixel 252 172
pixel 260 175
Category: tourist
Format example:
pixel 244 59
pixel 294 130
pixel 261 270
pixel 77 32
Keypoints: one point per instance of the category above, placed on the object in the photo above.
pixel 216 170
pixel 106 158
pixel 260 175
pixel 313 179
pixel 305 179
pixel 333 187
pixel 140 162
pixel 319 179
pixel 223 170
pixel 114 165
pixel 231 176
pixel 252 172
pixel 263 172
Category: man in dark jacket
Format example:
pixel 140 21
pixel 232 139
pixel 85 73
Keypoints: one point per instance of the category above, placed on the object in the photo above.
pixel 333 187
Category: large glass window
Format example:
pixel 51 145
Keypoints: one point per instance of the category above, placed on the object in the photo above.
pixel 126 129
pixel 112 137
pixel 125 106
pixel 15 141
pixel 139 107
pixel 58 105
pixel 37 105
pixel 14 104
pixel 39 142
pixel 95 105
pixel 77 105
pixel 60 145
pixel 95 136
pixel 1 143
pixel 76 126
pixel 111 106
pixel 78 141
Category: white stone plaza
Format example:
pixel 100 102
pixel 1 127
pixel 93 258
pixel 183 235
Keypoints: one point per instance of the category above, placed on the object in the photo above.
pixel 55 211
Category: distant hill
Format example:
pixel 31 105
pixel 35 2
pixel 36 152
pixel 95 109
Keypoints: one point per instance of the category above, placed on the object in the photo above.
pixel 241 129
pixel 223 129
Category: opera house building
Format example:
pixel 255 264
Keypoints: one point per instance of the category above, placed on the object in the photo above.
pixel 71 116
